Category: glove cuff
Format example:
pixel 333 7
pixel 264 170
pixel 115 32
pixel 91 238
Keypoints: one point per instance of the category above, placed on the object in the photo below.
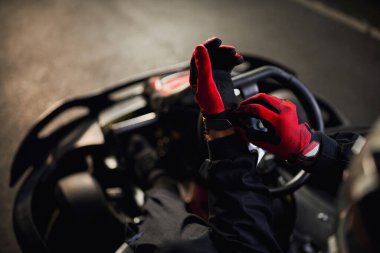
pixel 220 121
pixel 309 153
pixel 216 124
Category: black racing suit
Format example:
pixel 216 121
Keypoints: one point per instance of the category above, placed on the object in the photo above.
pixel 240 206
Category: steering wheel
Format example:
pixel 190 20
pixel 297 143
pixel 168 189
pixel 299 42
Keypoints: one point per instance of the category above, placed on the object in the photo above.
pixel 246 84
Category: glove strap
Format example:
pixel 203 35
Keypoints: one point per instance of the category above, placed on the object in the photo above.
pixel 217 124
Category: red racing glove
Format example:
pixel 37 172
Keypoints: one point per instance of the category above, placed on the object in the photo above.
pixel 211 83
pixel 278 130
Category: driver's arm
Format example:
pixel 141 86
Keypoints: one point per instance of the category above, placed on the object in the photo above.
pixel 240 207
pixel 332 159
pixel 291 140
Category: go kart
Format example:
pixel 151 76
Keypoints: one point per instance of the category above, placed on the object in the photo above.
pixel 78 190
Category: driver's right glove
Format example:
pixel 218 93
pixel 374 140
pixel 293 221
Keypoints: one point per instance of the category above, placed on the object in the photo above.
pixel 279 130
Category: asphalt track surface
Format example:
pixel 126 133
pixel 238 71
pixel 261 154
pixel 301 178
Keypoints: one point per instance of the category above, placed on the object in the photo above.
pixel 50 50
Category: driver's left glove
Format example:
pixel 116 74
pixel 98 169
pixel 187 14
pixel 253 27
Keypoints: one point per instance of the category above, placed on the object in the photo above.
pixel 279 130
pixel 211 83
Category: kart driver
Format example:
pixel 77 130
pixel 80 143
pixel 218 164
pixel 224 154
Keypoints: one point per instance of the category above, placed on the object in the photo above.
pixel 240 206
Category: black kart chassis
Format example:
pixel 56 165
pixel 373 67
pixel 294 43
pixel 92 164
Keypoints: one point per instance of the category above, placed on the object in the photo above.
pixel 34 154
